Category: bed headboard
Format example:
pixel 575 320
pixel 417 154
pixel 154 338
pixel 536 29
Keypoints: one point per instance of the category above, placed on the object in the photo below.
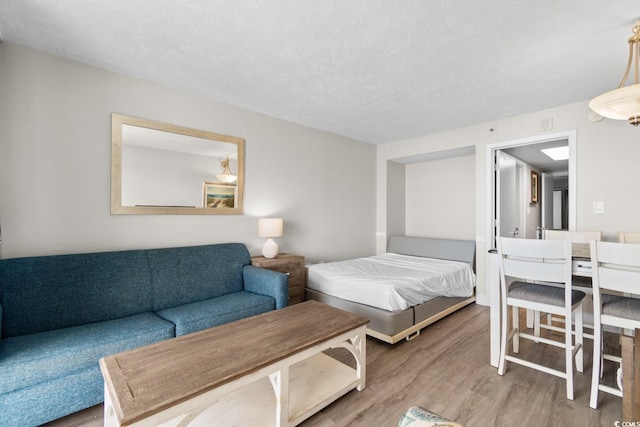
pixel 428 247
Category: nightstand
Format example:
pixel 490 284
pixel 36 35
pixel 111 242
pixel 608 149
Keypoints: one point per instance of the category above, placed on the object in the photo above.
pixel 292 266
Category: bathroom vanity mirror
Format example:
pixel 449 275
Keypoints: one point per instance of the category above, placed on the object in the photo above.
pixel 159 168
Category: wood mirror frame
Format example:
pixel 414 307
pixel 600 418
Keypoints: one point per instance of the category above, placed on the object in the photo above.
pixel 182 144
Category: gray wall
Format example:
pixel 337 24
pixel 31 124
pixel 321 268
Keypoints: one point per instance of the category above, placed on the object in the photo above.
pixel 396 202
pixel 55 136
pixel 441 193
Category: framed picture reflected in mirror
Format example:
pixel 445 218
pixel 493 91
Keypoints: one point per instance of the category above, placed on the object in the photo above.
pixel 217 195
pixel 534 187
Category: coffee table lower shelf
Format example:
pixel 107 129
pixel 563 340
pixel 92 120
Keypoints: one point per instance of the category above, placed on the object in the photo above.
pixel 313 384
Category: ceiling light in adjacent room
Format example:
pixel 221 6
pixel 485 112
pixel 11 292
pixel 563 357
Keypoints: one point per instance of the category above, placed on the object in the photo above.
pixel 226 175
pixel 623 103
pixel 557 153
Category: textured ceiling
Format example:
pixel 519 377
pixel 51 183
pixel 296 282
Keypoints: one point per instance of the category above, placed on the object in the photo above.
pixel 372 70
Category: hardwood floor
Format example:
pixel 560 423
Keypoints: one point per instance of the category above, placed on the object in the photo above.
pixel 446 370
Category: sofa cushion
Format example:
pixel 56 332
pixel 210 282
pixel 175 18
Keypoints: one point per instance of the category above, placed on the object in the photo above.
pixel 53 399
pixel 36 358
pixel 59 291
pixel 196 273
pixel 217 311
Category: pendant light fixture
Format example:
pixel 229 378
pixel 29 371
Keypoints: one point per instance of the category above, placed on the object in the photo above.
pixel 226 176
pixel 623 103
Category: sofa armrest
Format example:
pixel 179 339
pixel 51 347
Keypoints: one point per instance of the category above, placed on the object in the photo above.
pixel 267 282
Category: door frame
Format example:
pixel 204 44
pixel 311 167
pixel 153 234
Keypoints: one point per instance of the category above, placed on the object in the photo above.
pixel 569 135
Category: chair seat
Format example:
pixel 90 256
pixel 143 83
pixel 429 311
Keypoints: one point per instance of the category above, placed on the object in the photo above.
pixel 551 295
pixel 620 306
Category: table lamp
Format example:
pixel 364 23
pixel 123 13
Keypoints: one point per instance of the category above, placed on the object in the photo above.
pixel 270 228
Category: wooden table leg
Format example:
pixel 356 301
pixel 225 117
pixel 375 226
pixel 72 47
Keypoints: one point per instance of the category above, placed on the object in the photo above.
pixel 631 377
pixel 109 415
pixel 361 358
pixel 280 382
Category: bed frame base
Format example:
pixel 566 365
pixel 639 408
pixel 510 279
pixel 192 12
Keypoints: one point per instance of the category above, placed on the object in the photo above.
pixel 413 331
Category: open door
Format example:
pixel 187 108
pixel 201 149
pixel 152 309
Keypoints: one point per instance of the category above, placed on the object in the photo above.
pixel 507 196
pixel 546 194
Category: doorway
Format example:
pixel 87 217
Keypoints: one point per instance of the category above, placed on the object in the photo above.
pixel 527 191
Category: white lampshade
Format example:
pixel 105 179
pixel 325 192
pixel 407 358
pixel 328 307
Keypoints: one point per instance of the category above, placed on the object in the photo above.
pixel 270 227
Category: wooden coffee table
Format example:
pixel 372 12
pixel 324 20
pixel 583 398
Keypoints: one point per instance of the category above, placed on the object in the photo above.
pixel 268 369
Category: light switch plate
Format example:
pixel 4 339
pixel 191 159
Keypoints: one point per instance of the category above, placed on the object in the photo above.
pixel 598 207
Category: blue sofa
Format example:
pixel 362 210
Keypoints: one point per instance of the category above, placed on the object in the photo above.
pixel 60 314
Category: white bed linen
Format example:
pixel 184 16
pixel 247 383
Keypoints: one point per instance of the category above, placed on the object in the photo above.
pixel 392 281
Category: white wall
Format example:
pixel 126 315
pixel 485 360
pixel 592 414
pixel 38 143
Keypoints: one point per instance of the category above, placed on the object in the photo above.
pixel 55 137
pixel 441 192
pixel 607 156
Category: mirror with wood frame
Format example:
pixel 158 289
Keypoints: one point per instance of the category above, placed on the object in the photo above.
pixel 159 168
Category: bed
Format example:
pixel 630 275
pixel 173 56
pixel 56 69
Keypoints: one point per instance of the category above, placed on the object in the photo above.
pixel 418 281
